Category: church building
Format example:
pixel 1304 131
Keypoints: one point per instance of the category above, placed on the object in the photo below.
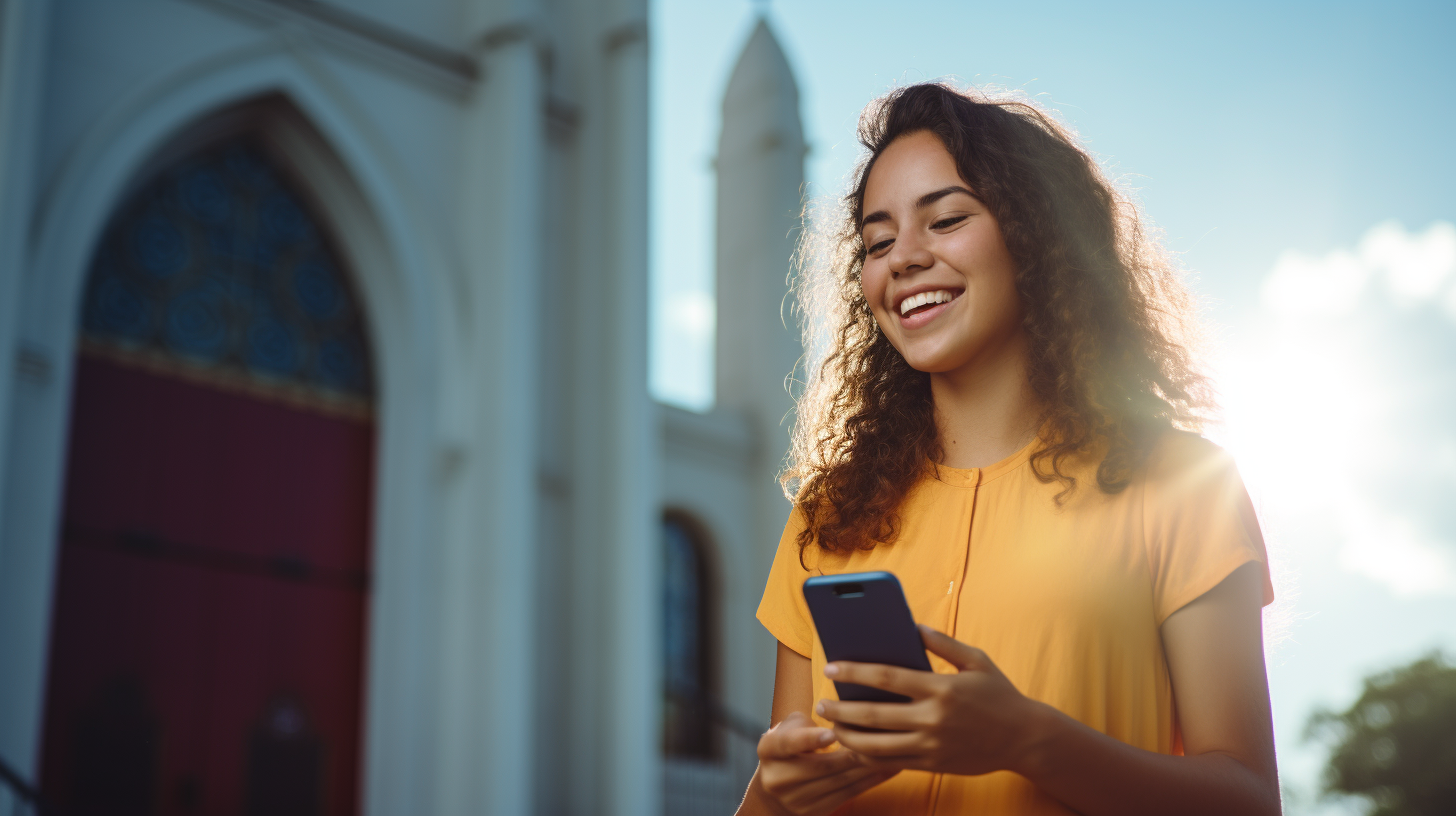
pixel 330 481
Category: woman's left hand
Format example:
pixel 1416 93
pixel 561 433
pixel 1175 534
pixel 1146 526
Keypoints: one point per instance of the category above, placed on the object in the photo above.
pixel 971 722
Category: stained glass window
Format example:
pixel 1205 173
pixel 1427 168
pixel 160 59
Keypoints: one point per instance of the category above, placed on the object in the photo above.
pixel 217 265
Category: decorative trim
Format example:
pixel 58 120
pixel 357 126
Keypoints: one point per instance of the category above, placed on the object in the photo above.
pixel 625 34
pixel 33 365
pixel 507 33
pixel 250 384
pixel 722 437
pixel 516 32
pixel 342 26
pixel 562 119
pixel 278 566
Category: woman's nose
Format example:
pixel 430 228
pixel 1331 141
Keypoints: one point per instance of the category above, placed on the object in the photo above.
pixel 909 254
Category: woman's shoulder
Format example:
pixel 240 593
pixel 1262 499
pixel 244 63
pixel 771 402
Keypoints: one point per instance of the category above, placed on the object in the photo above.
pixel 1184 464
pixel 1175 453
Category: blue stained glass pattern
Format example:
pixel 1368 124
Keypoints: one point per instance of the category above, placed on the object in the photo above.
pixel 160 247
pixel 218 262
pixel 206 196
pixel 271 347
pixel 118 310
pixel 339 364
pixel 196 322
pixel 316 290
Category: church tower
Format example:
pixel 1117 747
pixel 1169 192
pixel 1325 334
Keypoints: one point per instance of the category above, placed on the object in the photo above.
pixel 760 170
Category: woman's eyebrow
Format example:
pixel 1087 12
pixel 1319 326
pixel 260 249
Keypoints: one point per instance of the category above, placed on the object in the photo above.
pixel 920 203
pixel 877 215
pixel 930 198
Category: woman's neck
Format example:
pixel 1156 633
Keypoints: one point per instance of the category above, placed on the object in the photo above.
pixel 985 411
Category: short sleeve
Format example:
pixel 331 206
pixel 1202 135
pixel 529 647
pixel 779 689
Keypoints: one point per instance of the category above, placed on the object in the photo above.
pixel 783 610
pixel 1199 522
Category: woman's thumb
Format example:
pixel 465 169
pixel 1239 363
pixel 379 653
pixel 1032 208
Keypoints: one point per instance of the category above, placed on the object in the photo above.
pixel 958 654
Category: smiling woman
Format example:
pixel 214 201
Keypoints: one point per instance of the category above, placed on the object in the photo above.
pixel 1004 420
pixel 1106 321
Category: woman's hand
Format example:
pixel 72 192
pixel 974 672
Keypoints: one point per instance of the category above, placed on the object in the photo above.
pixel 971 722
pixel 797 778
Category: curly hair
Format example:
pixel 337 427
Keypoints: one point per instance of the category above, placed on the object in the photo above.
pixel 1108 322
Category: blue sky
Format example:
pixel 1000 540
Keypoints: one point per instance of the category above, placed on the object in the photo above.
pixel 1299 162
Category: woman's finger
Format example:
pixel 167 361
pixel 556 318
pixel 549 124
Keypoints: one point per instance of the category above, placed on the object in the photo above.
pixel 803 767
pixel 911 683
pixel 889 716
pixel 833 785
pixel 795 741
pixel 882 745
pixel 786 743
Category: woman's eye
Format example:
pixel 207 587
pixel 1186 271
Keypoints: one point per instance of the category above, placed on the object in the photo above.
pixel 948 222
pixel 875 249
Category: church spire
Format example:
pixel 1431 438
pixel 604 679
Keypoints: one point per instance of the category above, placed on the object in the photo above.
pixel 760 186
pixel 760 178
pixel 761 90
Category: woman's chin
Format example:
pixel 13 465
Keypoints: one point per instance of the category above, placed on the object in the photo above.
pixel 933 363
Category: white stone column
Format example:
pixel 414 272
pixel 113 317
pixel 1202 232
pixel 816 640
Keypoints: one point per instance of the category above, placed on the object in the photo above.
pixel 486 701
pixel 25 569
pixel 631 670
pixel 610 582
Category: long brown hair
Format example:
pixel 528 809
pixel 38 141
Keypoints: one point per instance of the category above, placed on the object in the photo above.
pixel 1108 322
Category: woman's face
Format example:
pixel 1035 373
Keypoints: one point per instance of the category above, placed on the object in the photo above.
pixel 936 273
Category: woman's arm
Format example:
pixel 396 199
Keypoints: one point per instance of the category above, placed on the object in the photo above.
pixel 975 721
pixel 1215 655
pixel 793 686
pixel 792 776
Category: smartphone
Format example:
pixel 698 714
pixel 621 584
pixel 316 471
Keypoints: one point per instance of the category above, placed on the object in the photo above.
pixel 863 617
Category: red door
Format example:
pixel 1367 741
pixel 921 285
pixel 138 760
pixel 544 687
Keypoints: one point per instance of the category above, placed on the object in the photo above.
pixel 208 635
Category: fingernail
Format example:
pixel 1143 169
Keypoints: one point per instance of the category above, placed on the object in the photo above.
pixel 826 738
pixel 819 709
pixel 831 670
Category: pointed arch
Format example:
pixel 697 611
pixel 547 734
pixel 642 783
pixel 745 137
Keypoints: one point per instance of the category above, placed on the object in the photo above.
pixel 360 193
pixel 217 494
pixel 217 271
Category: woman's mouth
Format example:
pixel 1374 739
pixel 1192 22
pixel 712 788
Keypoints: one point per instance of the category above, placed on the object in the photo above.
pixel 919 309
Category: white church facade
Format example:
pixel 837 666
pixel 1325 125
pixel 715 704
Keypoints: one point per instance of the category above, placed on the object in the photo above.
pixel 330 481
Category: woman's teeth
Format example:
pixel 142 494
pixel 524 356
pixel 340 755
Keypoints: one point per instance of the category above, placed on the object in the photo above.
pixel 916 301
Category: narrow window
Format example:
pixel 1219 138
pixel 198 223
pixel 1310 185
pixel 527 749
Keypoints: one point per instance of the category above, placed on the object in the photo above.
pixel 688 647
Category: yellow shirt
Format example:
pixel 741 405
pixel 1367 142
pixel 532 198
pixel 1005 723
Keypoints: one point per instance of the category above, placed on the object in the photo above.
pixel 1066 600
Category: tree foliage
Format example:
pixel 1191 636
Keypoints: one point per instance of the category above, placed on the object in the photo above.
pixel 1396 746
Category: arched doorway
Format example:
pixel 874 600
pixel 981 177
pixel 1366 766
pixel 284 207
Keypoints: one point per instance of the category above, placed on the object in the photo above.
pixel 208 631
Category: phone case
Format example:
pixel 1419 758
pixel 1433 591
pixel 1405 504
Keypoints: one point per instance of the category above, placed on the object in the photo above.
pixel 863 617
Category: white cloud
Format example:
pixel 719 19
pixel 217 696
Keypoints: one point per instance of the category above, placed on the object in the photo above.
pixel 1414 267
pixel 1305 285
pixel 1395 552
pixel 1313 390
pixel 1448 303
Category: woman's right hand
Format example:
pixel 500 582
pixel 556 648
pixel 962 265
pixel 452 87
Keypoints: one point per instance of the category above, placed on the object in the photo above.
pixel 795 777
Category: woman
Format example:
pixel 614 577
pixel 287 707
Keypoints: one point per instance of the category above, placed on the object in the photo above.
pixel 1003 420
